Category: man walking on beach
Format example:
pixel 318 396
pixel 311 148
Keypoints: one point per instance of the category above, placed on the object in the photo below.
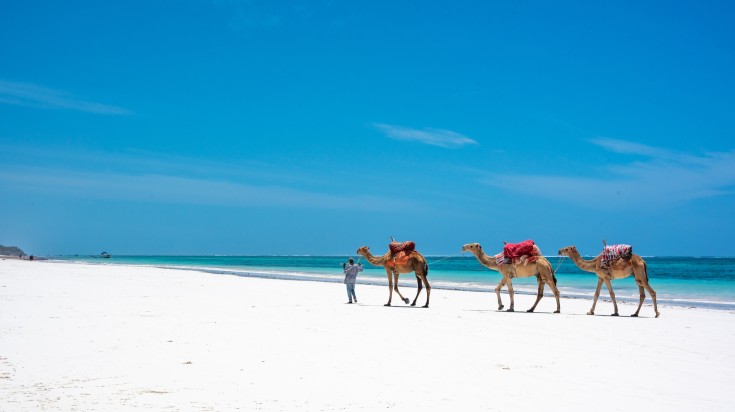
pixel 351 270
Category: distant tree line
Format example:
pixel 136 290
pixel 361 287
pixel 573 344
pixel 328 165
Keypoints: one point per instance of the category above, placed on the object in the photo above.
pixel 11 251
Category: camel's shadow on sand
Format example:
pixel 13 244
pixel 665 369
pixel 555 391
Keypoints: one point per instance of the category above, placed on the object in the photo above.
pixel 395 306
pixel 555 314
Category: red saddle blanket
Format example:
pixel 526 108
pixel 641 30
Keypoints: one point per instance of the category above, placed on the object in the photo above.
pixel 516 250
pixel 524 252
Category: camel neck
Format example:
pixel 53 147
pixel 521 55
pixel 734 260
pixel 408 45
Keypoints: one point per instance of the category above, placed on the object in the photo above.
pixel 586 265
pixel 374 259
pixel 487 261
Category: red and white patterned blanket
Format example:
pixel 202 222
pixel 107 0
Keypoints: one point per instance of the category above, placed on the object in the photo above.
pixel 612 252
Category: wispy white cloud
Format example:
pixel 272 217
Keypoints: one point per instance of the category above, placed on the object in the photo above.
pixel 665 177
pixel 433 137
pixel 634 148
pixel 148 177
pixel 32 95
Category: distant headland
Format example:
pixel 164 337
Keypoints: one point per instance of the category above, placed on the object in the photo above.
pixel 11 251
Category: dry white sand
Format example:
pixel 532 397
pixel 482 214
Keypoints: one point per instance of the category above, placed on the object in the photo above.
pixel 107 337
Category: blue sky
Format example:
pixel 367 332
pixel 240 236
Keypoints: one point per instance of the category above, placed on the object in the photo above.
pixel 315 127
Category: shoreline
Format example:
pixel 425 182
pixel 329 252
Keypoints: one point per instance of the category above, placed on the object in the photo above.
pixel 101 337
pixel 406 282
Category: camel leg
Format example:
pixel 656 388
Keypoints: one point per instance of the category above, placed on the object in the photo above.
pixel 653 296
pixel 539 295
pixel 510 292
pixel 612 296
pixel 640 303
pixel 390 286
pixel 395 287
pixel 428 290
pixel 597 295
pixel 418 280
pixel 552 285
pixel 497 292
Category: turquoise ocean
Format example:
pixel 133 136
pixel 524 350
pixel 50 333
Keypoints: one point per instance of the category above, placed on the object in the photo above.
pixel 705 282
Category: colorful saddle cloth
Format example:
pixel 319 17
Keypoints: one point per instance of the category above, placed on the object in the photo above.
pixel 613 252
pixel 523 252
pixel 396 247
pixel 400 252
pixel 500 259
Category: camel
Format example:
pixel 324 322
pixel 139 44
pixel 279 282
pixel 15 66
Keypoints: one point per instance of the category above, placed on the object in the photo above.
pixel 416 264
pixel 618 269
pixel 541 268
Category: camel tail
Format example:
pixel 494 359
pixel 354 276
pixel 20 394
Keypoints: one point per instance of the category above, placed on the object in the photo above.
pixel 426 269
pixel 556 283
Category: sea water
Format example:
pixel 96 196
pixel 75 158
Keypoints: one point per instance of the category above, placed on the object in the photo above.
pixel 707 282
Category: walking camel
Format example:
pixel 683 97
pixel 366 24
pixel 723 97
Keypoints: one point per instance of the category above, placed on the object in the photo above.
pixel 416 263
pixel 541 268
pixel 618 269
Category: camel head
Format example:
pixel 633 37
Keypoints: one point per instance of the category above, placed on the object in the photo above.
pixel 363 251
pixel 568 251
pixel 473 248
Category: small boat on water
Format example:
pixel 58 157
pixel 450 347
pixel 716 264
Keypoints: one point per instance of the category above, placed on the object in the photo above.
pixel 105 255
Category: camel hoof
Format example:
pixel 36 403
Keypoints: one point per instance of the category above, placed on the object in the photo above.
pixel 657 314
pixel 387 304
pixel 425 306
pixel 614 314
pixel 413 304
pixel 510 310
pixel 557 311
pixel 501 307
pixel 635 315
pixel 530 310
pixel 405 300
pixel 590 313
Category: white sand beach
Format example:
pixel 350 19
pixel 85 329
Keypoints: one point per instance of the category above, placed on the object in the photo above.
pixel 80 337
